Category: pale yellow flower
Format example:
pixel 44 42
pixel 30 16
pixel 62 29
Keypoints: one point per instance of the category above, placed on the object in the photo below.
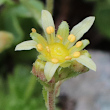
pixel 62 48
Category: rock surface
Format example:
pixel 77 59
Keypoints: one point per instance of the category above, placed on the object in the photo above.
pixel 91 90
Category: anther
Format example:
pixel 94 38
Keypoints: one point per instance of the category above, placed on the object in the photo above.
pixel 40 47
pixel 48 50
pixel 68 58
pixel 71 38
pixel 79 44
pixel 76 54
pixel 55 61
pixel 59 37
pixel 33 30
pixel 50 30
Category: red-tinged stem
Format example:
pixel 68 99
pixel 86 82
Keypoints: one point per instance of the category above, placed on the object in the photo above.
pixel 57 87
pixel 51 100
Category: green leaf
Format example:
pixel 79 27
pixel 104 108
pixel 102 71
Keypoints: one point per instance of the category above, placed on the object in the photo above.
pixel 102 13
pixel 2 2
pixel 44 92
pixel 35 7
pixel 21 11
pixel 10 20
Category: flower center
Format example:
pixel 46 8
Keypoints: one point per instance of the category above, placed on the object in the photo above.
pixel 58 51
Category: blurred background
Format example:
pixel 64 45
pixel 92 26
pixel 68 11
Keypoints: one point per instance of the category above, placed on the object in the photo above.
pixel 18 88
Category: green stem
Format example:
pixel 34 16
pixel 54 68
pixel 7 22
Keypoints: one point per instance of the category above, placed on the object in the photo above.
pixel 49 6
pixel 51 99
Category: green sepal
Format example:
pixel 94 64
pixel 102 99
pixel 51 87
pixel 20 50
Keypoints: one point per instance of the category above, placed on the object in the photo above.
pixel 63 73
pixel 74 48
pixel 78 67
pixel 39 65
pixel 38 38
pixel 42 57
pixel 63 31
pixel 66 64
pixel 43 83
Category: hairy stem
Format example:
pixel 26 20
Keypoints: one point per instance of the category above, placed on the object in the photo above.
pixel 49 5
pixel 51 99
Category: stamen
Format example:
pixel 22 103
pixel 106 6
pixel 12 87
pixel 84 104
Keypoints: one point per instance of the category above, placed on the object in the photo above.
pixel 60 37
pixel 40 47
pixel 71 38
pixel 55 61
pixel 68 58
pixel 76 54
pixel 50 30
pixel 48 49
pixel 33 30
pixel 79 44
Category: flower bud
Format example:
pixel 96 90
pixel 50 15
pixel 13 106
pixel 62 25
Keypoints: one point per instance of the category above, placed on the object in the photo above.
pixel 6 40
pixel 38 69
pixel 78 67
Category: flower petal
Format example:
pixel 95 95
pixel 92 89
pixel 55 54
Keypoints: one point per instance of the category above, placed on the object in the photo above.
pixel 38 38
pixel 47 21
pixel 63 31
pixel 81 28
pixel 88 62
pixel 26 45
pixel 86 53
pixel 74 48
pixel 50 69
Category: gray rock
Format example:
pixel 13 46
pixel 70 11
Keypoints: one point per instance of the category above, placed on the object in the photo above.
pixel 91 90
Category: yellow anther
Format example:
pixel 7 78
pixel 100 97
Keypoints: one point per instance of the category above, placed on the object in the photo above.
pixel 55 61
pixel 68 58
pixel 79 44
pixel 76 54
pixel 50 30
pixel 40 47
pixel 33 30
pixel 71 38
pixel 48 49
pixel 59 37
